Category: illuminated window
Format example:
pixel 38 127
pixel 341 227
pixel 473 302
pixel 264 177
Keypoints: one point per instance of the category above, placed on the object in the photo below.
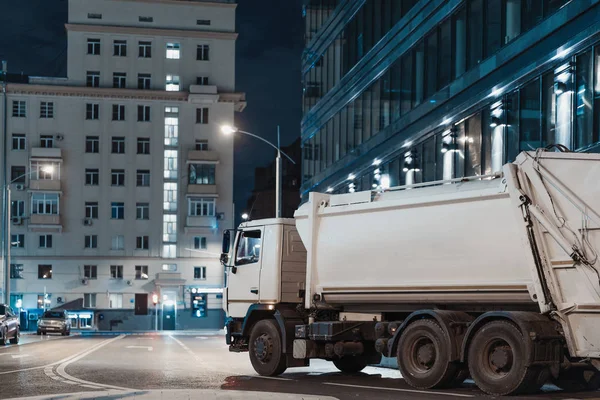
pixel 173 51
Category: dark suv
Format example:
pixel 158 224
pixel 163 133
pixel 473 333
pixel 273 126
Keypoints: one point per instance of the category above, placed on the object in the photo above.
pixel 54 322
pixel 9 325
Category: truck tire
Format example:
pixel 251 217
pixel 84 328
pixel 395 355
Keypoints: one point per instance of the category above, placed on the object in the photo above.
pixel 496 359
pixel 423 356
pixel 266 349
pixel 350 364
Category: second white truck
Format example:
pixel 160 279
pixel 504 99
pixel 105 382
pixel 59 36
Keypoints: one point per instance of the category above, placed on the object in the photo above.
pixel 493 277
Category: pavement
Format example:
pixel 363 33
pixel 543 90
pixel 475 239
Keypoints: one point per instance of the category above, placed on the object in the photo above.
pixel 199 366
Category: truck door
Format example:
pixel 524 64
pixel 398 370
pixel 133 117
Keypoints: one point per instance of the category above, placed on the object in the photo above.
pixel 243 278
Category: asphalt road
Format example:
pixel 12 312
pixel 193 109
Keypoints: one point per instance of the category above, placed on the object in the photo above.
pixel 146 362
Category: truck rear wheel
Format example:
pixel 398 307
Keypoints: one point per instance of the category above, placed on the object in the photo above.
pixel 350 364
pixel 496 360
pixel 423 356
pixel 266 349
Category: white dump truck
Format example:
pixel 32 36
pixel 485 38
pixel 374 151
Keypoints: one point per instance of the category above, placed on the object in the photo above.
pixel 492 277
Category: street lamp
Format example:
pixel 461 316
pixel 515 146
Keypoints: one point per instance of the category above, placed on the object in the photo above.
pixel 229 130
pixel 6 242
pixel 245 217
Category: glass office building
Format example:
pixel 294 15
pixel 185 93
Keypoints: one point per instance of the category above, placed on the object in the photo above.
pixel 415 91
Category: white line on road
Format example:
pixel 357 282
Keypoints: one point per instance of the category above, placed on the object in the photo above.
pixel 190 352
pixel 398 390
pixel 20 355
pixel 149 348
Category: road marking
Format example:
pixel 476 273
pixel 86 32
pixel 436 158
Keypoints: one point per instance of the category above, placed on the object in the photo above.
pixel 190 352
pixel 61 368
pixel 20 355
pixel 396 390
pixel 149 348
pixel 202 337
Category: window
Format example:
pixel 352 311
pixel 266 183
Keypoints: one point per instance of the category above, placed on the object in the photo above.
pixel 94 16
pixel 117 210
pixel 93 47
pixel 203 22
pixel 200 273
pixel 202 174
pixel 145 49
pixel 141 272
pixel 44 203
pixel 17 208
pixel 202 145
pixel 119 80
pixel 169 228
pixel 45 241
pixel 18 141
pixel 92 177
pixel 117 177
pixel 141 243
pixel 143 177
pixel 248 248
pixel 92 111
pixel 118 112
pixel 118 145
pixel 201 207
pixel 91 242
pixel 143 114
pixel 91 209
pixel 169 267
pixel 92 79
pixel 89 300
pixel 142 211
pixel 16 271
pixel 120 48
pixel 47 141
pixel 118 242
pixel 39 172
pixel 46 109
pixel 202 80
pixel 144 81
pixel 199 242
pixel 19 109
pixel 202 52
pixel 172 84
pixel 17 241
pixel 146 19
pixel 92 144
pixel 116 272
pixel 115 300
pixel 173 51
pixel 143 145
pixel 44 272
pixel 17 174
pixel 90 271
pixel 202 115
pixel 171 126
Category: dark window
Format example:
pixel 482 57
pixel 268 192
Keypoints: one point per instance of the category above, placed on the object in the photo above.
pixel 92 176
pixel 91 209
pixel 202 115
pixel 47 141
pixel 117 177
pixel 145 49
pixel 18 141
pixel 16 271
pixel 143 113
pixel 44 271
pixel 141 271
pixel 530 117
pixel 92 111
pixel 118 112
pixel 92 144
pixel 445 54
pixel 92 79
pixel 202 145
pixel 116 272
pixel 202 174
pixel 475 32
pixel 146 19
pixel 17 208
pixel 199 242
pixel 90 271
pixel 46 109
pixel 143 177
pixel 203 22
pixel 459 22
pixel 120 48
pixel 17 174
pixel 91 241
pixel 202 80
pixel 119 80
pixel 94 16
pixel 431 64
pixel 19 109
pixel 584 100
pixel 118 145
pixel 143 145
pixel 17 240
pixel 494 35
pixel 46 241
pixel 200 273
pixel 93 47
pixel 141 243
pixel 202 52
pixel 144 81
pixel 142 211
pixel 117 210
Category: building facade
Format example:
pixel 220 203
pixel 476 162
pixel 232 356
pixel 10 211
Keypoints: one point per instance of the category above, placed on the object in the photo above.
pixel 405 92
pixel 121 185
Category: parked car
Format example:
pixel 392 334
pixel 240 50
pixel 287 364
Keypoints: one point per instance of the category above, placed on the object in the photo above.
pixel 9 325
pixel 54 322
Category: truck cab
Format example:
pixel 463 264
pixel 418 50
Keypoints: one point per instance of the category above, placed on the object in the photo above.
pixel 265 263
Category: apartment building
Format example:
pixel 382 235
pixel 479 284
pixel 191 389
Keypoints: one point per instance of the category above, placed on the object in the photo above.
pixel 121 183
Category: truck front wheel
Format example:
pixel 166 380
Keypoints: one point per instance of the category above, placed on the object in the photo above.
pixel 266 349
pixel 350 364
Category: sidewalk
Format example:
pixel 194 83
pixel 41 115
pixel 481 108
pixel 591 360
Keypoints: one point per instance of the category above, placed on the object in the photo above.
pixel 183 394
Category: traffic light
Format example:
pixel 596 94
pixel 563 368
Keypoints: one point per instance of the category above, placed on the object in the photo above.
pixel 154 299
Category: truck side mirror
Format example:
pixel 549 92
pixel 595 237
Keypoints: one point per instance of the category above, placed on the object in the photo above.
pixel 226 242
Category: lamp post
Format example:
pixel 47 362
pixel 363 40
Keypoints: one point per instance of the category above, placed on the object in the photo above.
pixel 228 130
pixel 6 242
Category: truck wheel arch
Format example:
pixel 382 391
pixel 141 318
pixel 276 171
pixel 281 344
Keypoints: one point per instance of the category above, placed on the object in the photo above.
pixel 286 320
pixel 453 324
pixel 530 324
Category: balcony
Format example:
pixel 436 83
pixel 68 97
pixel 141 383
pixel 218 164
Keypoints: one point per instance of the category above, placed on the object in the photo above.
pixel 203 94
pixel 169 279
pixel 207 156
pixel 201 222
pixel 45 184
pixel 53 153
pixel 201 189
pixel 45 223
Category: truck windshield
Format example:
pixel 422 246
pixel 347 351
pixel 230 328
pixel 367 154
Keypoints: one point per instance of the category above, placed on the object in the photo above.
pixel 248 248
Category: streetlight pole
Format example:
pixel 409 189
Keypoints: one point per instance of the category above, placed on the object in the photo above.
pixel 5 192
pixel 226 129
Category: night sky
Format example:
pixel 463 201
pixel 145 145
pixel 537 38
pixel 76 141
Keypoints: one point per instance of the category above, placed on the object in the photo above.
pixel 269 47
